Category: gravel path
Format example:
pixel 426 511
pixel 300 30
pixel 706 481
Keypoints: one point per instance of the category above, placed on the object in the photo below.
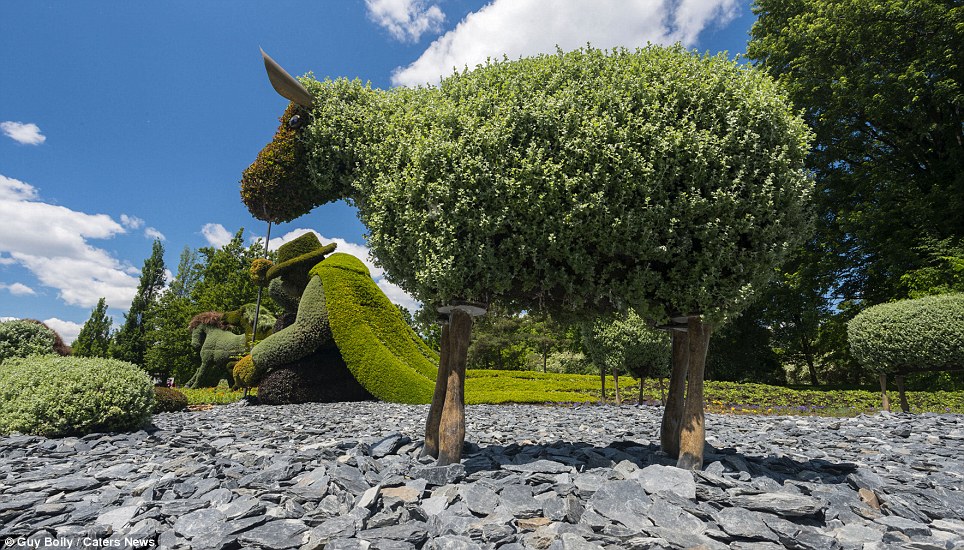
pixel 347 475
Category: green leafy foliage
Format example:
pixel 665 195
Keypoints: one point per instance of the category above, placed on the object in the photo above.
pixel 56 396
pixel 910 335
pixel 23 337
pixel 880 82
pixel 741 351
pixel 130 342
pixel 94 337
pixel 648 179
pixel 169 400
pixel 628 344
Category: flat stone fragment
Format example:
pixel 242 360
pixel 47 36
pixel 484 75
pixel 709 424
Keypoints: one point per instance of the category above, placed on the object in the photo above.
pixel 909 527
pixel 744 524
pixel 539 466
pixel 275 535
pixel 781 504
pixel 199 522
pixel 118 518
pixel 452 542
pixel 624 501
pixel 657 478
pixel 440 475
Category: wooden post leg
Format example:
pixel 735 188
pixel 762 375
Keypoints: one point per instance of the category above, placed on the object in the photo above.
pixel 904 406
pixel 452 426
pixel 619 401
pixel 692 431
pixel 438 398
pixel 884 400
pixel 640 400
pixel 673 409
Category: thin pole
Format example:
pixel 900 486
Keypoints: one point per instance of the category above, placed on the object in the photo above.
pixel 257 304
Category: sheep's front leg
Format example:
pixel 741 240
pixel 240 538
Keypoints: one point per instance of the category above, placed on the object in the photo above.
pixel 438 398
pixel 673 410
pixel 452 425
pixel 692 431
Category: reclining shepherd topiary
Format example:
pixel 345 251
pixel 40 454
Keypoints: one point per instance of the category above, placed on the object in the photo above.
pixel 579 183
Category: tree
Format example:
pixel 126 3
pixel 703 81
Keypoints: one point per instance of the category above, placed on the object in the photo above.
pixel 94 337
pixel 497 343
pixel 741 351
pixel 579 183
pixel 129 342
pixel 880 81
pixel 223 283
pixel 627 343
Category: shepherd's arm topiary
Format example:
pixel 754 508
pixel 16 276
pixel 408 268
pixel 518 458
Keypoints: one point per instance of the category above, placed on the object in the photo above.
pixel 579 183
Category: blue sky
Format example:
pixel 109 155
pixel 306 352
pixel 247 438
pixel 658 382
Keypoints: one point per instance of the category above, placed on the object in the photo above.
pixel 121 122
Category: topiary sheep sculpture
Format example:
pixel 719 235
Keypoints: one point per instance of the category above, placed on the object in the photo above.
pixel 579 183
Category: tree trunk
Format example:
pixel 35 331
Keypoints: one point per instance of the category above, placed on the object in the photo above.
pixel 692 430
pixel 452 426
pixel 430 448
pixel 662 393
pixel 602 379
pixel 904 406
pixel 884 400
pixel 545 359
pixel 640 400
pixel 807 350
pixel 673 410
pixel 619 401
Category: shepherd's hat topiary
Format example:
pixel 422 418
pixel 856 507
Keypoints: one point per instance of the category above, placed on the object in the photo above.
pixel 304 252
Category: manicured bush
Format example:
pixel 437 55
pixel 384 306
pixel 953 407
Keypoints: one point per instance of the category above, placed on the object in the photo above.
pixel 381 350
pixel 169 400
pixel 57 396
pixel 910 335
pixel 23 337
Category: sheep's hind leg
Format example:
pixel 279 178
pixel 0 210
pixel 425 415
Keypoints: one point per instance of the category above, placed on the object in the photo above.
pixel 673 409
pixel 693 433
pixel 452 425
pixel 430 448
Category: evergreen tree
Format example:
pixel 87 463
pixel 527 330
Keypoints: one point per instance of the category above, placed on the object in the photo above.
pixel 129 343
pixel 170 352
pixel 94 337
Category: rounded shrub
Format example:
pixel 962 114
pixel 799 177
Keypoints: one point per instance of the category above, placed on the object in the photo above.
pixel 169 400
pixel 910 335
pixel 23 337
pixel 57 396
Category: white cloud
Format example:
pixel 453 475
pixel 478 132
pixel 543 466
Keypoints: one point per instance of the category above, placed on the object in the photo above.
pixel 25 133
pixel 131 222
pixel 216 234
pixel 152 233
pixel 394 293
pixel 18 289
pixel 68 330
pixel 60 255
pixel 406 20
pixel 519 28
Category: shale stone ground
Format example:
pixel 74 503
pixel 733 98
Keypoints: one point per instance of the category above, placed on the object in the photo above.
pixel 347 476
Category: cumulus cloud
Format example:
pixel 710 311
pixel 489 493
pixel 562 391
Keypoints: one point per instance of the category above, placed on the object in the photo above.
pixel 18 289
pixel 394 293
pixel 68 330
pixel 406 20
pixel 60 255
pixel 25 133
pixel 518 28
pixel 152 233
pixel 131 222
pixel 216 234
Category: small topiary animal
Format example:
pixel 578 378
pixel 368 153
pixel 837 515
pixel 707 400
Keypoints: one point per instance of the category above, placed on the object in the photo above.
pixel 213 336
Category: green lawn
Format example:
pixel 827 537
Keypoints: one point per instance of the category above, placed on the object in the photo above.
pixel 492 386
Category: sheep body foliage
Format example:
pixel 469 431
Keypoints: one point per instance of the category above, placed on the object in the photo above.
pixel 588 181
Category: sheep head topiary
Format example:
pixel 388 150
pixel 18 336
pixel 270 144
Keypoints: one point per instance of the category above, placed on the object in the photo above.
pixel 579 183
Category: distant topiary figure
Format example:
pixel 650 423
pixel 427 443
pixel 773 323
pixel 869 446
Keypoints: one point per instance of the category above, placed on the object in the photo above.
pixel 214 335
pixel 23 337
pixel 926 334
pixel 343 321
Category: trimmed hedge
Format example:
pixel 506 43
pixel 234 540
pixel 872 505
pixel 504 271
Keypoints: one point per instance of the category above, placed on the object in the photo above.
pixel 23 337
pixel 381 350
pixel 169 400
pixel 57 396
pixel 910 335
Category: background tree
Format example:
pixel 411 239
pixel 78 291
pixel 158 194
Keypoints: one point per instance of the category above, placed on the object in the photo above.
pixel 627 344
pixel 741 351
pixel 129 343
pixel 94 337
pixel 170 353
pixel 880 83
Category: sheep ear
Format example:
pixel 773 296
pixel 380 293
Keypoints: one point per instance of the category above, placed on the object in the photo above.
pixel 285 84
